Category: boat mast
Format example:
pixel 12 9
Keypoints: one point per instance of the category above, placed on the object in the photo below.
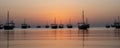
pixel 0 19
pixel 24 21
pixel 83 38
pixel 60 21
pixel 55 20
pixel 83 17
pixel 86 21
pixel 69 20
pixel 47 23
pixel 118 19
pixel 8 17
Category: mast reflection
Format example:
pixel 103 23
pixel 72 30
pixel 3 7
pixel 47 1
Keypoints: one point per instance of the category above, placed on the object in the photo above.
pixel 83 34
pixel 117 33
pixel 9 36
pixel 24 34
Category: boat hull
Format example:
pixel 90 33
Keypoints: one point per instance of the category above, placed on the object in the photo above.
pixel 8 27
pixel 83 27
pixel 24 27
pixel 46 26
pixel 61 26
pixel 1 27
pixel 69 26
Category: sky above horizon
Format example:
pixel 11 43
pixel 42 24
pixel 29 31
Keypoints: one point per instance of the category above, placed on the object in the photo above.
pixel 39 12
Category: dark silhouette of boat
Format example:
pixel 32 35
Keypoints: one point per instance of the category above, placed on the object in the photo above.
pixel 83 25
pixel 47 26
pixel 69 25
pixel 9 25
pixel 117 24
pixel 24 25
pixel 107 26
pixel 1 26
pixel 38 26
pixel 29 26
pixel 113 25
pixel 61 25
pixel 54 25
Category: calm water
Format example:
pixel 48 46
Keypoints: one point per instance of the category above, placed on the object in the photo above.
pixel 60 38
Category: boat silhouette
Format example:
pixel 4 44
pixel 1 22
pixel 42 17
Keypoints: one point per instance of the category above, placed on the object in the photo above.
pixel 1 26
pixel 54 25
pixel 24 25
pixel 107 26
pixel 117 24
pixel 69 25
pixel 29 26
pixel 47 25
pixel 9 25
pixel 83 25
pixel 61 25
pixel 38 26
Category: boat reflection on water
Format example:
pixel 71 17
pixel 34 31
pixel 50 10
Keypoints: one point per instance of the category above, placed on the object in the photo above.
pixel 9 37
pixel 60 38
pixel 117 33
pixel 24 35
pixel 84 34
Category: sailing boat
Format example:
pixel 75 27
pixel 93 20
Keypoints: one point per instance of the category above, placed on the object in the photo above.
pixel 9 25
pixel 69 25
pixel 1 26
pixel 83 25
pixel 47 26
pixel 107 26
pixel 54 26
pixel 113 25
pixel 29 26
pixel 24 25
pixel 61 25
pixel 88 26
pixel 38 26
pixel 117 24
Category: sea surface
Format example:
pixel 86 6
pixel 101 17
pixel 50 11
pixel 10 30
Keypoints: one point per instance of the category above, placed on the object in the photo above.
pixel 60 38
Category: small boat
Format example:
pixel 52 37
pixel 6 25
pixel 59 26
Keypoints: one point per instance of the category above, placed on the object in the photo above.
pixel 38 26
pixel 83 25
pixel 107 26
pixel 47 26
pixel 29 26
pixel 9 25
pixel 24 25
pixel 117 24
pixel 61 26
pixel 1 26
pixel 54 26
pixel 69 25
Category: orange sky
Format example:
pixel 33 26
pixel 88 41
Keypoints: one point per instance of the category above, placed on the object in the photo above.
pixel 39 11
